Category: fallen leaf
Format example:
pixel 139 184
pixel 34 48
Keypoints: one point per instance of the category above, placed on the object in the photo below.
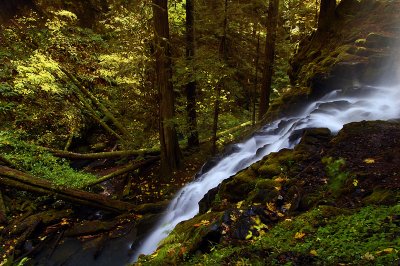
pixel 299 235
pixel 369 160
pixel 313 252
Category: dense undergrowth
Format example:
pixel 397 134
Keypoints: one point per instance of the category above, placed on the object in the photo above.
pixel 37 161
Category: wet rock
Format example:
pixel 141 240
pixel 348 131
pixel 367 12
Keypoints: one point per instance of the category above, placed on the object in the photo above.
pixel 212 238
pixel 378 40
pixel 206 202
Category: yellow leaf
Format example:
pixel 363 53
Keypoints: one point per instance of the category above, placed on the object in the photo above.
pixel 355 182
pixel 369 160
pixel 271 206
pixel 203 222
pixel 299 235
pixel 155 254
pixel 280 179
pixel 313 252
pixel 287 206
pixel 249 235
pixel 388 250
pixel 239 204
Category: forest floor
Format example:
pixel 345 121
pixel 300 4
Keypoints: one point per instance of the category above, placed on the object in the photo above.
pixel 37 226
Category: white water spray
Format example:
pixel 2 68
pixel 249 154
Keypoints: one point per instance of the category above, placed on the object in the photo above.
pixel 331 111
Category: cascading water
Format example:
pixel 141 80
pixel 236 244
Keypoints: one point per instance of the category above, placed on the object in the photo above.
pixel 331 111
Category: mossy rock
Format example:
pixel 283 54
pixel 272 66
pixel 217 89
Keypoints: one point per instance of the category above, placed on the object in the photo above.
pixel 237 187
pixel 262 195
pixel 184 239
pixel 270 170
pixel 266 184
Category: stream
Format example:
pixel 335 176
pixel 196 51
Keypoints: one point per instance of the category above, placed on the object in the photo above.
pixel 332 111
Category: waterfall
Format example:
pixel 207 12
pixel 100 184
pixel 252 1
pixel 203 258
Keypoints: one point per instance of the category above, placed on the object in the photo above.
pixel 332 111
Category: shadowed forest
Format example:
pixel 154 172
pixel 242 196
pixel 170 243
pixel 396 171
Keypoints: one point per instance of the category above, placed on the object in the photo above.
pixel 267 129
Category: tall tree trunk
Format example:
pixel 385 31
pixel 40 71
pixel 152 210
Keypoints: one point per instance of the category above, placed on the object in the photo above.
pixel 266 86
pixel 215 122
pixel 218 88
pixel 193 138
pixel 170 152
pixel 326 15
pixel 256 61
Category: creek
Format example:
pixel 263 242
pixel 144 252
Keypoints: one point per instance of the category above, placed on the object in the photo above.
pixel 338 107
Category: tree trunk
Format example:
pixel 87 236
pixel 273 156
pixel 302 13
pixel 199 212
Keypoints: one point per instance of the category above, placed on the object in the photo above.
pixel 223 51
pixel 215 122
pixel 170 151
pixel 326 15
pixel 96 102
pixel 266 86
pixel 3 209
pixel 102 155
pixel 23 181
pixel 193 138
pixel 254 94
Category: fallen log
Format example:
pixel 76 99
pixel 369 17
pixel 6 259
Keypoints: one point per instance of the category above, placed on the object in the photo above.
pixel 129 167
pixel 3 209
pixel 102 155
pixel 23 181
pixel 228 131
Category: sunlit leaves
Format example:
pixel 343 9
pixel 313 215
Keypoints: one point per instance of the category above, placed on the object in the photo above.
pixel 39 71
pixel 61 19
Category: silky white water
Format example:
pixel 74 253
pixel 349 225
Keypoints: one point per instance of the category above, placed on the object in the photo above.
pixel 331 111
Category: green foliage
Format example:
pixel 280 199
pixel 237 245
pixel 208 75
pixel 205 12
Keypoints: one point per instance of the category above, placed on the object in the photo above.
pixel 29 157
pixel 339 239
pixel 334 170
pixel 322 236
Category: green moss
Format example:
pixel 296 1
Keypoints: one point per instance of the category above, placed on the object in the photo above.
pixel 337 176
pixel 266 184
pixel 183 240
pixel 381 196
pixel 40 163
pixel 270 170
pixel 322 236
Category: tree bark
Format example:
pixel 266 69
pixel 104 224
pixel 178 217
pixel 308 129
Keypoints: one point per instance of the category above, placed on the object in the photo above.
pixel 254 94
pixel 3 209
pixel 170 152
pixel 87 107
pixel 326 15
pixel 102 155
pixel 215 122
pixel 20 180
pixel 223 51
pixel 193 138
pixel 266 86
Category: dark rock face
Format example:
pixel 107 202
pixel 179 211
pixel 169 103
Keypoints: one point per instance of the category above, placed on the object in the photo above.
pixel 353 50
pixel 206 202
